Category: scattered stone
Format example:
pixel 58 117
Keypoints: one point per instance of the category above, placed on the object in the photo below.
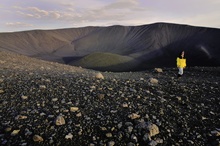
pixel 159 70
pixel 92 87
pixel 153 129
pixel 120 125
pixel 153 81
pixel 113 111
pixel 152 143
pixel 60 120
pixel 1 91
pixel 204 118
pixel 56 107
pixel 161 111
pixel 131 144
pixel 8 129
pixel 47 80
pixel 111 143
pixel 191 142
pixel 42 114
pixel 124 105
pixel 4 142
pixel 134 138
pixel 99 76
pixel 101 96
pixel 2 62
pixel 23 144
pixel 20 117
pixel 50 116
pixel 37 138
pixel 69 136
pixel 129 129
pixel 28 132
pixel 74 109
pixel 141 79
pixel 108 135
pixel 215 133
pixel 178 98
pixel 15 132
pixel 79 114
pixel 42 87
pixel 55 99
pixel 150 128
pixel 134 116
pixel 24 97
pixel 146 137
pixel 80 132
pixel 158 140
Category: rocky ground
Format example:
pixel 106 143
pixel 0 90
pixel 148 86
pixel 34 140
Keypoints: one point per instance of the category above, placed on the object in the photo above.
pixel 44 103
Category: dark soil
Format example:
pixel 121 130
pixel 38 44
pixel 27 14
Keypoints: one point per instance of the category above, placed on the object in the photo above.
pixel 186 110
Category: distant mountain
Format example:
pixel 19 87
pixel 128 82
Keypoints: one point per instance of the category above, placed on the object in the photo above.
pixel 119 48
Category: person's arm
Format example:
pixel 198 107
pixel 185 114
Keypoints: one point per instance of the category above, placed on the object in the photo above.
pixel 178 62
pixel 185 63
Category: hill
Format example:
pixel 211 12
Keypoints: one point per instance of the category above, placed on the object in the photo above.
pixel 46 103
pixel 153 45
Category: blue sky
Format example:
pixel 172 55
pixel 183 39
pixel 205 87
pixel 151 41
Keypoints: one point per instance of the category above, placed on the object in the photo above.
pixel 20 15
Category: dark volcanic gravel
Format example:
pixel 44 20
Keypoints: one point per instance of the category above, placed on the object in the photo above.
pixel 43 103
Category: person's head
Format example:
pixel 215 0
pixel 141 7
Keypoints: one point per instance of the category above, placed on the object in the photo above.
pixel 182 54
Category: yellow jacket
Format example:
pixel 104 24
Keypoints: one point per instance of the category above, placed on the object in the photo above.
pixel 181 62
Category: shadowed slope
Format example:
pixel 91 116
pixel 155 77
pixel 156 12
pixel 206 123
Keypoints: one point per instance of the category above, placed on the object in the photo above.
pixel 151 45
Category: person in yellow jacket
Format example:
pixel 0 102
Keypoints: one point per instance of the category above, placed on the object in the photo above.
pixel 181 63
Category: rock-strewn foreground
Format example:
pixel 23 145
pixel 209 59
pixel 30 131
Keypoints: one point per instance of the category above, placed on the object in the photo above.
pixel 44 103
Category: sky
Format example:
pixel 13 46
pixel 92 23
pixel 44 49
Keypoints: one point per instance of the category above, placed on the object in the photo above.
pixel 21 15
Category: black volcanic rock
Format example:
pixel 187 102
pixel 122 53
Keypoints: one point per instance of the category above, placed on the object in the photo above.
pixel 153 45
pixel 124 108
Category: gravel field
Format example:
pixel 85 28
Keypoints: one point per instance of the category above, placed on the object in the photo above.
pixel 44 103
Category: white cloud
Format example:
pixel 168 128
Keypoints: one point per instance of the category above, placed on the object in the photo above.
pixel 34 12
pixel 107 13
pixel 124 12
pixel 74 15
pixel 18 24
pixel 122 4
pixel 69 13
pixel 208 19
pixel 38 11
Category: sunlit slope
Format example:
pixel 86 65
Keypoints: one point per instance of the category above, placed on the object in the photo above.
pixel 107 61
pixel 42 42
